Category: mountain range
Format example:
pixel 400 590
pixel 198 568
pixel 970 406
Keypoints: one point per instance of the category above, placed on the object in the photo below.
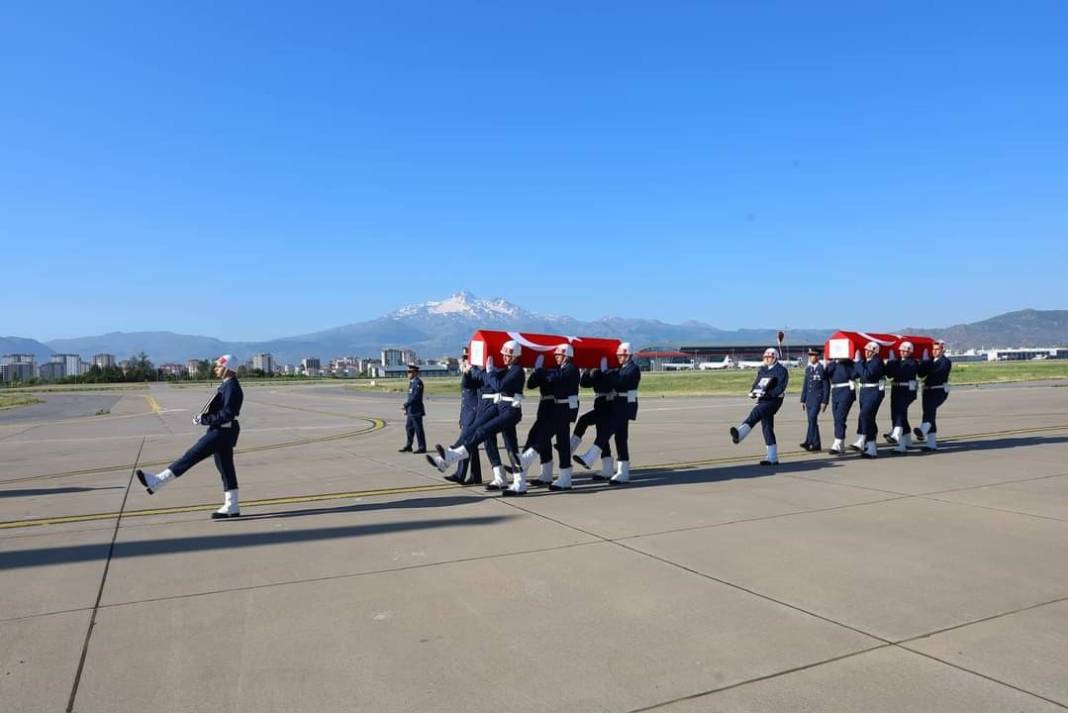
pixel 440 327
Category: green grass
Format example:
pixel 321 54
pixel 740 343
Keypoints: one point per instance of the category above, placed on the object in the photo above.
pixel 17 399
pixel 50 388
pixel 736 382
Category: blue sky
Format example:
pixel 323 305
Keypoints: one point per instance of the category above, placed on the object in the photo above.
pixel 268 169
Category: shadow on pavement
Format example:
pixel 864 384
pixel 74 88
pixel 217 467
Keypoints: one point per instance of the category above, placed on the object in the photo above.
pixel 28 492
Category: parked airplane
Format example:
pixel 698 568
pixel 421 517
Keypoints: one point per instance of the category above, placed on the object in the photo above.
pixel 727 363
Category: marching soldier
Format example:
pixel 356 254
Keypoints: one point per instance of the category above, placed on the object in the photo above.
pixel 539 437
pixel 815 393
pixel 903 371
pixel 414 411
pixel 220 416
pixel 624 381
pixel 469 403
pixel 935 391
pixel 601 417
pixel 840 375
pixel 870 372
pixel 768 390
pixel 503 388
pixel 563 384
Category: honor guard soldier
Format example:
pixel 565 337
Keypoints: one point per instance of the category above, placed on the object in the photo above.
pixel 840 375
pixel 870 372
pixel 469 402
pixel 539 438
pixel 601 417
pixel 935 391
pixel 624 381
pixel 414 411
pixel 903 371
pixel 815 393
pixel 768 390
pixel 220 416
pixel 563 385
pixel 503 389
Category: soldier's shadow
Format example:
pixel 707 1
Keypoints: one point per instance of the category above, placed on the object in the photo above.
pixel 996 444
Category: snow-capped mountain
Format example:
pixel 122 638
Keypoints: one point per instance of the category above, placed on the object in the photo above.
pixel 463 305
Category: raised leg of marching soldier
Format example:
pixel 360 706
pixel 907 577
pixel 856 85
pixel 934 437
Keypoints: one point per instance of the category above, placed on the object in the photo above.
pixel 597 379
pixel 768 389
pixel 935 392
pixel 903 371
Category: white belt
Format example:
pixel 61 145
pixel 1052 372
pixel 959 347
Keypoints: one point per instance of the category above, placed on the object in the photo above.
pixel 844 385
pixel 632 395
pixel 517 401
pixel 548 397
pixel 881 385
pixel 228 424
pixel 567 401
pixel 944 387
pixel 910 384
pixel 609 395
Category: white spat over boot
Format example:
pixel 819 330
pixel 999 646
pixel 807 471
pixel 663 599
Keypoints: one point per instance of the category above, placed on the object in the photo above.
pixel 230 507
pixel 155 483
pixel 622 474
pixel 563 482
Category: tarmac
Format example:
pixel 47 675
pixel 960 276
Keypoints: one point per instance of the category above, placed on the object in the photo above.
pixel 358 580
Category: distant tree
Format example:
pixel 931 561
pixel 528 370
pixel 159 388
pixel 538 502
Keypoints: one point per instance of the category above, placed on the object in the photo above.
pixel 141 369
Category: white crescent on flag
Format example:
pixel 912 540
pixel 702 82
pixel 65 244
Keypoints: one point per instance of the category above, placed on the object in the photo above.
pixel 879 341
pixel 527 344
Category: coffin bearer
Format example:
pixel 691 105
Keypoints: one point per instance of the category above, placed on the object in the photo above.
pixel 768 390
pixel 843 394
pixel 469 402
pixel 815 393
pixel 503 389
pixel 414 411
pixel 935 391
pixel 220 416
pixel 538 446
pixel 870 371
pixel 624 381
pixel 601 417
pixel 903 371
pixel 563 385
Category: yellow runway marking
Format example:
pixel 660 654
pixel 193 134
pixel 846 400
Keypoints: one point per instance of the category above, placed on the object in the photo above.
pixel 152 403
pixel 296 499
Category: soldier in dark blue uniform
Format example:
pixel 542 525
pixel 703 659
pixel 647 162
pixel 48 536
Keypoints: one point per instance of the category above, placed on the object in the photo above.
pixel 220 416
pixel 538 445
pixel 624 381
pixel 561 405
pixel 815 393
pixel 768 390
pixel 601 417
pixel 904 373
pixel 843 393
pixel 503 388
pixel 469 403
pixel 870 371
pixel 935 391
pixel 414 411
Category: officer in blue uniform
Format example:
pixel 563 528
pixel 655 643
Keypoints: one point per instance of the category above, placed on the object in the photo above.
pixel 870 372
pixel 469 403
pixel 768 390
pixel 935 391
pixel 538 445
pixel 599 416
pixel 815 393
pixel 503 388
pixel 561 404
pixel 220 416
pixel 904 372
pixel 840 375
pixel 624 381
pixel 414 411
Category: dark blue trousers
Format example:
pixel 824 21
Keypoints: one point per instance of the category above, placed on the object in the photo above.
pixel 841 401
pixel 413 428
pixel 932 399
pixel 540 435
pixel 600 416
pixel 484 431
pixel 764 413
pixel 900 400
pixel 812 437
pixel 870 400
pixel 474 463
pixel 217 442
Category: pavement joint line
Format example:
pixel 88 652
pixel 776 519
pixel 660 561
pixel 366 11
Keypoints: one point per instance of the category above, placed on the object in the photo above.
pixel 982 620
pixel 758 679
pixel 103 581
pixel 377 424
pixel 375 427
pixel 994 509
pixel 992 485
pixel 983 675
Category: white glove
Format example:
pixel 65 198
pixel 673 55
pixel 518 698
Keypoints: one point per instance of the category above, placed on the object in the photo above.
pixel 856 356
pixel 604 363
pixel 196 420
pixel 539 361
pixel 489 363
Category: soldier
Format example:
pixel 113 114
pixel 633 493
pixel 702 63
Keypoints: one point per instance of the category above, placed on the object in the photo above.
pixel 768 389
pixel 872 385
pixel 469 403
pixel 815 393
pixel 902 393
pixel 935 392
pixel 563 386
pixel 624 381
pixel 220 416
pixel 503 388
pixel 539 437
pixel 843 388
pixel 414 411
pixel 601 417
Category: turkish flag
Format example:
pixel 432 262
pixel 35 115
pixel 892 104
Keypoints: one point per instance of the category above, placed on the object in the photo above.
pixel 588 350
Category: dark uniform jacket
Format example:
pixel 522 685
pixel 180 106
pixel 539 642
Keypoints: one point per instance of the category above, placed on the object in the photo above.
pixel 840 371
pixel 470 383
pixel 225 406
pixel 414 405
pixel 624 381
pixel 936 371
pixel 816 387
pixel 507 381
pixel 870 371
pixel 775 386
pixel 902 371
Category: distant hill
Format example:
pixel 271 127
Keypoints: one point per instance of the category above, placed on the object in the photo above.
pixel 21 345
pixel 440 327
pixel 1025 328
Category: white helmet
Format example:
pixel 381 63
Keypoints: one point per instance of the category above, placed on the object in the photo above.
pixel 770 352
pixel 623 348
pixel 566 349
pixel 511 348
pixel 907 347
pixel 872 346
pixel 227 361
